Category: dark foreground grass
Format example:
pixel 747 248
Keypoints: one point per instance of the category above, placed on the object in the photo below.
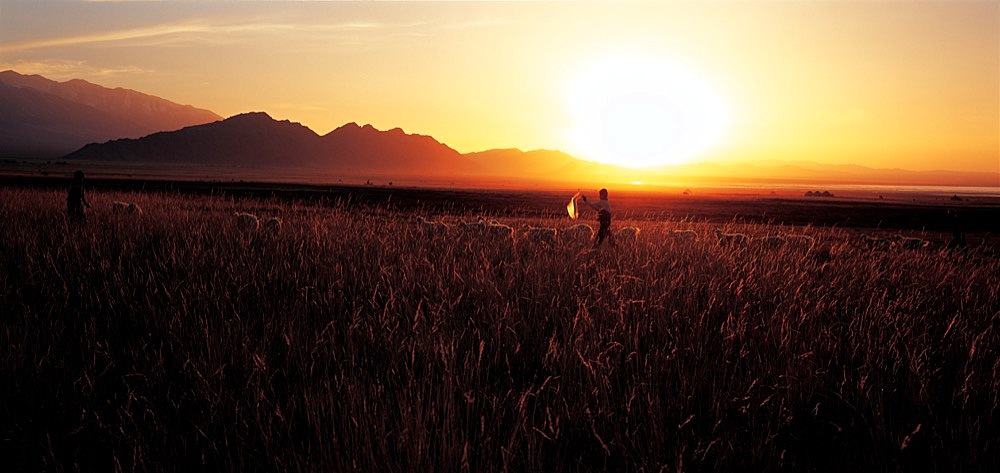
pixel 358 340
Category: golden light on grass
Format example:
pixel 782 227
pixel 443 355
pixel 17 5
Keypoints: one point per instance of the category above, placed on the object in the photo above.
pixel 637 110
pixel 178 337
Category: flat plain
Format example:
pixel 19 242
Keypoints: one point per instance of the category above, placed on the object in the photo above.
pixel 840 334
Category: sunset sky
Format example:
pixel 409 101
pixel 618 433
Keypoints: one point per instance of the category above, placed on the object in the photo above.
pixel 895 84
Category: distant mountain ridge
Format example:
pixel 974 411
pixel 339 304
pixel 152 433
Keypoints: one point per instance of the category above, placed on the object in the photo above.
pixel 80 120
pixel 44 118
pixel 257 140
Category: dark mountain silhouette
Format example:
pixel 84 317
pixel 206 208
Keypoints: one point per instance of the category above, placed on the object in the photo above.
pixel 250 139
pixel 48 119
pixel 44 118
pixel 353 148
pixel 257 140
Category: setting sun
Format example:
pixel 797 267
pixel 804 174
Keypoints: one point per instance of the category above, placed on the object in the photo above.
pixel 639 111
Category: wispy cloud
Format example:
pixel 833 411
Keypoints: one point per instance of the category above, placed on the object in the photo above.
pixel 202 31
pixel 64 69
pixel 103 37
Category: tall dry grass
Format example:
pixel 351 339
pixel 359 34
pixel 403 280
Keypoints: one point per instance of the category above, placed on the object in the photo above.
pixel 354 340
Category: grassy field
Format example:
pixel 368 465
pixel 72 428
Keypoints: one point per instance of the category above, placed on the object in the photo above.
pixel 355 339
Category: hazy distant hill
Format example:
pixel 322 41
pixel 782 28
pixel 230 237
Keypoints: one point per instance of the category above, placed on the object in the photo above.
pixel 537 164
pixel 37 124
pixel 353 148
pixel 44 118
pixel 257 140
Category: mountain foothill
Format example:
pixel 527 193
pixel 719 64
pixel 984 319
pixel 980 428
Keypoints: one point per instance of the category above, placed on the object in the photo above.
pixel 78 120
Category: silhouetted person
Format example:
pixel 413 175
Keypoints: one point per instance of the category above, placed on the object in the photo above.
pixel 603 208
pixel 75 200
pixel 957 232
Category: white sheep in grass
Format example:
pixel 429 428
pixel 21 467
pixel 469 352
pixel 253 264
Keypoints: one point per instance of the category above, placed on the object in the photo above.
pixel 684 234
pixel 911 243
pixel 499 232
pixel 272 225
pixel 730 238
pixel 578 232
pixel 489 230
pixel 125 207
pixel 875 243
pixel 431 227
pixel 545 235
pixel 476 227
pixel 247 221
pixel 627 234
pixel 800 241
pixel 770 241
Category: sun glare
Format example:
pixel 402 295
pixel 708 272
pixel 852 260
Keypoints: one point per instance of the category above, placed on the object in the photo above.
pixel 638 111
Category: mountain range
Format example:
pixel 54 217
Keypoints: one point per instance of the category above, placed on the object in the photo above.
pixel 77 120
pixel 255 140
pixel 42 118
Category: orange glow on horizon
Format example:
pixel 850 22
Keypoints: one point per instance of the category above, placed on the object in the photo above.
pixel 891 85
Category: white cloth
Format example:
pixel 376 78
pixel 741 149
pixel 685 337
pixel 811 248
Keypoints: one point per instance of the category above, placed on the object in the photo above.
pixel 574 213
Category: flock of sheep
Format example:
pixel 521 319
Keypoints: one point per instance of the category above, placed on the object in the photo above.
pixel 579 233
pixel 582 232
pixel 808 242
pixel 249 222
pixel 125 207
pixel 497 231
pixel 246 221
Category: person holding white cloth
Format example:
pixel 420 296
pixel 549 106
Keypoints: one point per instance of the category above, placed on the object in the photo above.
pixel 603 208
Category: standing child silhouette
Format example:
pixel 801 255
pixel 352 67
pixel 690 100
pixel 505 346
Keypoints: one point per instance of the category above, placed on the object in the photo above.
pixel 603 208
pixel 75 200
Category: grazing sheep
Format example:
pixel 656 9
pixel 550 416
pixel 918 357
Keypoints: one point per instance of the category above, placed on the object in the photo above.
pixel 125 207
pixel 875 243
pixel 500 232
pixel 544 235
pixel 491 230
pixel 626 234
pixel 730 238
pixel 272 225
pixel 910 243
pixel 823 253
pixel 578 232
pixel 474 227
pixel 431 227
pixel 934 245
pixel 685 234
pixel 770 241
pixel 247 221
pixel 799 241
